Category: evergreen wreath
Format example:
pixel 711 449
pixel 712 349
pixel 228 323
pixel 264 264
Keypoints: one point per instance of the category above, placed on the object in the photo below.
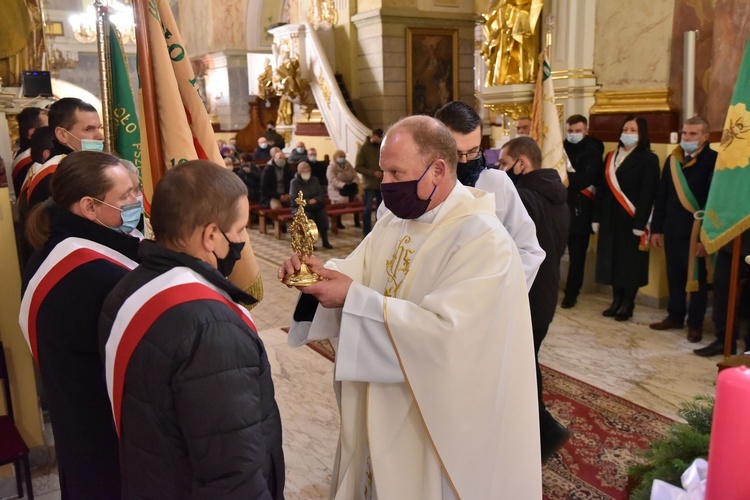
pixel 669 457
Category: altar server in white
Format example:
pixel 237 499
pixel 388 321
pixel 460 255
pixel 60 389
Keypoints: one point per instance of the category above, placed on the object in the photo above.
pixel 430 319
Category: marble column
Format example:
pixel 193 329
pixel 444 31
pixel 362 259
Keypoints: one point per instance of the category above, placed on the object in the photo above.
pixel 227 88
pixel 572 55
pixel 730 34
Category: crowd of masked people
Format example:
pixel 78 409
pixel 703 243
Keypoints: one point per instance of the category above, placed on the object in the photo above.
pixel 274 179
pixel 634 207
pixel 156 381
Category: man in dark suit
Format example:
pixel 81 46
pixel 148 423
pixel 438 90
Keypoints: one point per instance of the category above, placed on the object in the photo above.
pixel 683 190
pixel 585 154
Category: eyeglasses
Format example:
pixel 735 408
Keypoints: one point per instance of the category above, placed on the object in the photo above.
pixel 472 154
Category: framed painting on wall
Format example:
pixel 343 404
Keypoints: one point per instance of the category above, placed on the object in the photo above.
pixel 431 69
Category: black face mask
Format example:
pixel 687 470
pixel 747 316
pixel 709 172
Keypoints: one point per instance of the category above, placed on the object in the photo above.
pixel 226 264
pixel 402 199
pixel 468 172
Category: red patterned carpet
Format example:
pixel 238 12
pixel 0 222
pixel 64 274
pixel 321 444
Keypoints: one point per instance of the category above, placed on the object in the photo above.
pixel 607 434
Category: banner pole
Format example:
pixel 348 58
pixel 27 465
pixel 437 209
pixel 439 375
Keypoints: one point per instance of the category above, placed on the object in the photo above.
pixel 731 308
pixel 151 120
pixel 105 71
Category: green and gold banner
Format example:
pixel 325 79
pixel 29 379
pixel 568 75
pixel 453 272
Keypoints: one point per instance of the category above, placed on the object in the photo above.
pixel 728 206
pixel 127 140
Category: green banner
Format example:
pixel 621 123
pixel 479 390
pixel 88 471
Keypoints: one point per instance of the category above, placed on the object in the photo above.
pixel 127 138
pixel 728 206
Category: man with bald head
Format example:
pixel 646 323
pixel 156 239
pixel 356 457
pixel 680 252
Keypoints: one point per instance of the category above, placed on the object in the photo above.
pixel 434 355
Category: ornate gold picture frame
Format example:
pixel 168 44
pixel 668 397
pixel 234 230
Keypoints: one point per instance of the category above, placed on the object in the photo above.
pixel 431 69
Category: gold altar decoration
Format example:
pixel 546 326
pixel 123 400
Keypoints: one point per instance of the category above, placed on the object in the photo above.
pixel 265 81
pixel 511 46
pixel 293 89
pixel 22 40
pixel 512 110
pixel 304 234
pixel 322 14
pixel 633 101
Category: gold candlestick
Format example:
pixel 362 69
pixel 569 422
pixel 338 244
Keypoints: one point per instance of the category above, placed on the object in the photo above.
pixel 304 234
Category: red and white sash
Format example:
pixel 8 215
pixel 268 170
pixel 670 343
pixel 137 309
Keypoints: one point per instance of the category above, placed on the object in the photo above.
pixel 614 186
pixel 27 181
pixel 21 161
pixel 68 255
pixel 41 172
pixel 589 192
pixel 141 310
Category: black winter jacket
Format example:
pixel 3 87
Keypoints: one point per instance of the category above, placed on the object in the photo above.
pixel 198 417
pixel 545 198
pixel 269 185
pixel 71 368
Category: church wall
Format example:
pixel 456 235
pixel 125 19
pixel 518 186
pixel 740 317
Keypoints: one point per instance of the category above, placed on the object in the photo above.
pixel 633 44
pixel 381 58
pixel 731 33
pixel 213 26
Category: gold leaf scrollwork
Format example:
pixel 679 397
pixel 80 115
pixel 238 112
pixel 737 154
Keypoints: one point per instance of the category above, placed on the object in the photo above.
pixel 398 267
pixel 324 88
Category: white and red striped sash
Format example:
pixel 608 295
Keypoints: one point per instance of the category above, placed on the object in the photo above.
pixel 27 181
pixel 67 255
pixel 20 161
pixel 614 186
pixel 142 309
pixel 41 172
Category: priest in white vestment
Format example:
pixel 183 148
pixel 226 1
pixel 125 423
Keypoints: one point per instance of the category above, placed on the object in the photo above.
pixel 434 354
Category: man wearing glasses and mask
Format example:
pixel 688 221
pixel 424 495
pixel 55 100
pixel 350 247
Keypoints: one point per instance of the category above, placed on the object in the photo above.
pixel 466 127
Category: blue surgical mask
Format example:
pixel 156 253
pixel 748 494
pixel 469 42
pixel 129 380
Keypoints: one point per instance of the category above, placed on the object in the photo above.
pixel 574 138
pixel 689 147
pixel 312 158
pixel 130 214
pixel 92 145
pixel 341 161
pixel 628 140
pixel 300 150
pixel 89 144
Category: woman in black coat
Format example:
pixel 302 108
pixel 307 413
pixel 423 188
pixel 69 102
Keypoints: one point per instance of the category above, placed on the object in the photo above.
pixel 621 215
pixel 84 250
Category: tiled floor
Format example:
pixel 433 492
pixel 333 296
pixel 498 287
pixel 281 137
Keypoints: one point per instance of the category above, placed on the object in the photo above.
pixel 654 369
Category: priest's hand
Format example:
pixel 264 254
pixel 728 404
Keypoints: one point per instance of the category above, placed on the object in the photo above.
pixel 293 264
pixel 332 291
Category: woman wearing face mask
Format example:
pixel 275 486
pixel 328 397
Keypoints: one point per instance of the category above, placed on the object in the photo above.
pixel 624 202
pixel 343 182
pixel 315 208
pixel 84 249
